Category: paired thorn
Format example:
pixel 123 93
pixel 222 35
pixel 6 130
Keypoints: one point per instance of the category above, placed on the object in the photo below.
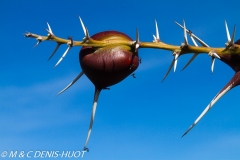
pixel 39 40
pixel 70 44
pixel 194 55
pixel 136 43
pixel 212 66
pixel 230 41
pixel 55 50
pixel 83 26
pixel 233 35
pixel 70 84
pixel 85 31
pixel 214 55
pixel 170 67
pixel 174 63
pixel 190 61
pixel 37 44
pixel 64 54
pixel 87 37
pixel 49 30
pixel 176 54
pixel 227 31
pixel 193 40
pixel 194 36
pixel 185 34
pixel 157 37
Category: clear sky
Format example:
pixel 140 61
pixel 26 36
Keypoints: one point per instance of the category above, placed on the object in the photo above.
pixel 139 118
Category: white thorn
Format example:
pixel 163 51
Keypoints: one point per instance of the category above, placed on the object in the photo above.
pixel 70 84
pixel 175 62
pixel 58 45
pixel 233 35
pixel 212 66
pixel 136 47
pixel 95 101
pixel 200 41
pixel 83 27
pixel 194 36
pixel 87 37
pixel 137 41
pixel 49 29
pixel 87 34
pixel 154 38
pixel 194 42
pixel 185 33
pixel 213 55
pixel 193 57
pixel 39 41
pixel 137 36
pixel 215 99
pixel 169 69
pixel 157 33
pixel 227 31
pixel 64 54
pixel 216 55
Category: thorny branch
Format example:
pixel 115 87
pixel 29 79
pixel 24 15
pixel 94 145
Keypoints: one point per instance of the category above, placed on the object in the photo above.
pixel 231 49
pixel 157 45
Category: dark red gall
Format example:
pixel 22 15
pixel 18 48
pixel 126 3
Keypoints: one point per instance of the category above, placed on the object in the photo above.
pixel 109 65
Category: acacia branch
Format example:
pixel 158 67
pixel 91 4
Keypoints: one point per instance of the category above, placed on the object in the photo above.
pixel 156 45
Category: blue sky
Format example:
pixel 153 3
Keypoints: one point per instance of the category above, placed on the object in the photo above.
pixel 139 118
